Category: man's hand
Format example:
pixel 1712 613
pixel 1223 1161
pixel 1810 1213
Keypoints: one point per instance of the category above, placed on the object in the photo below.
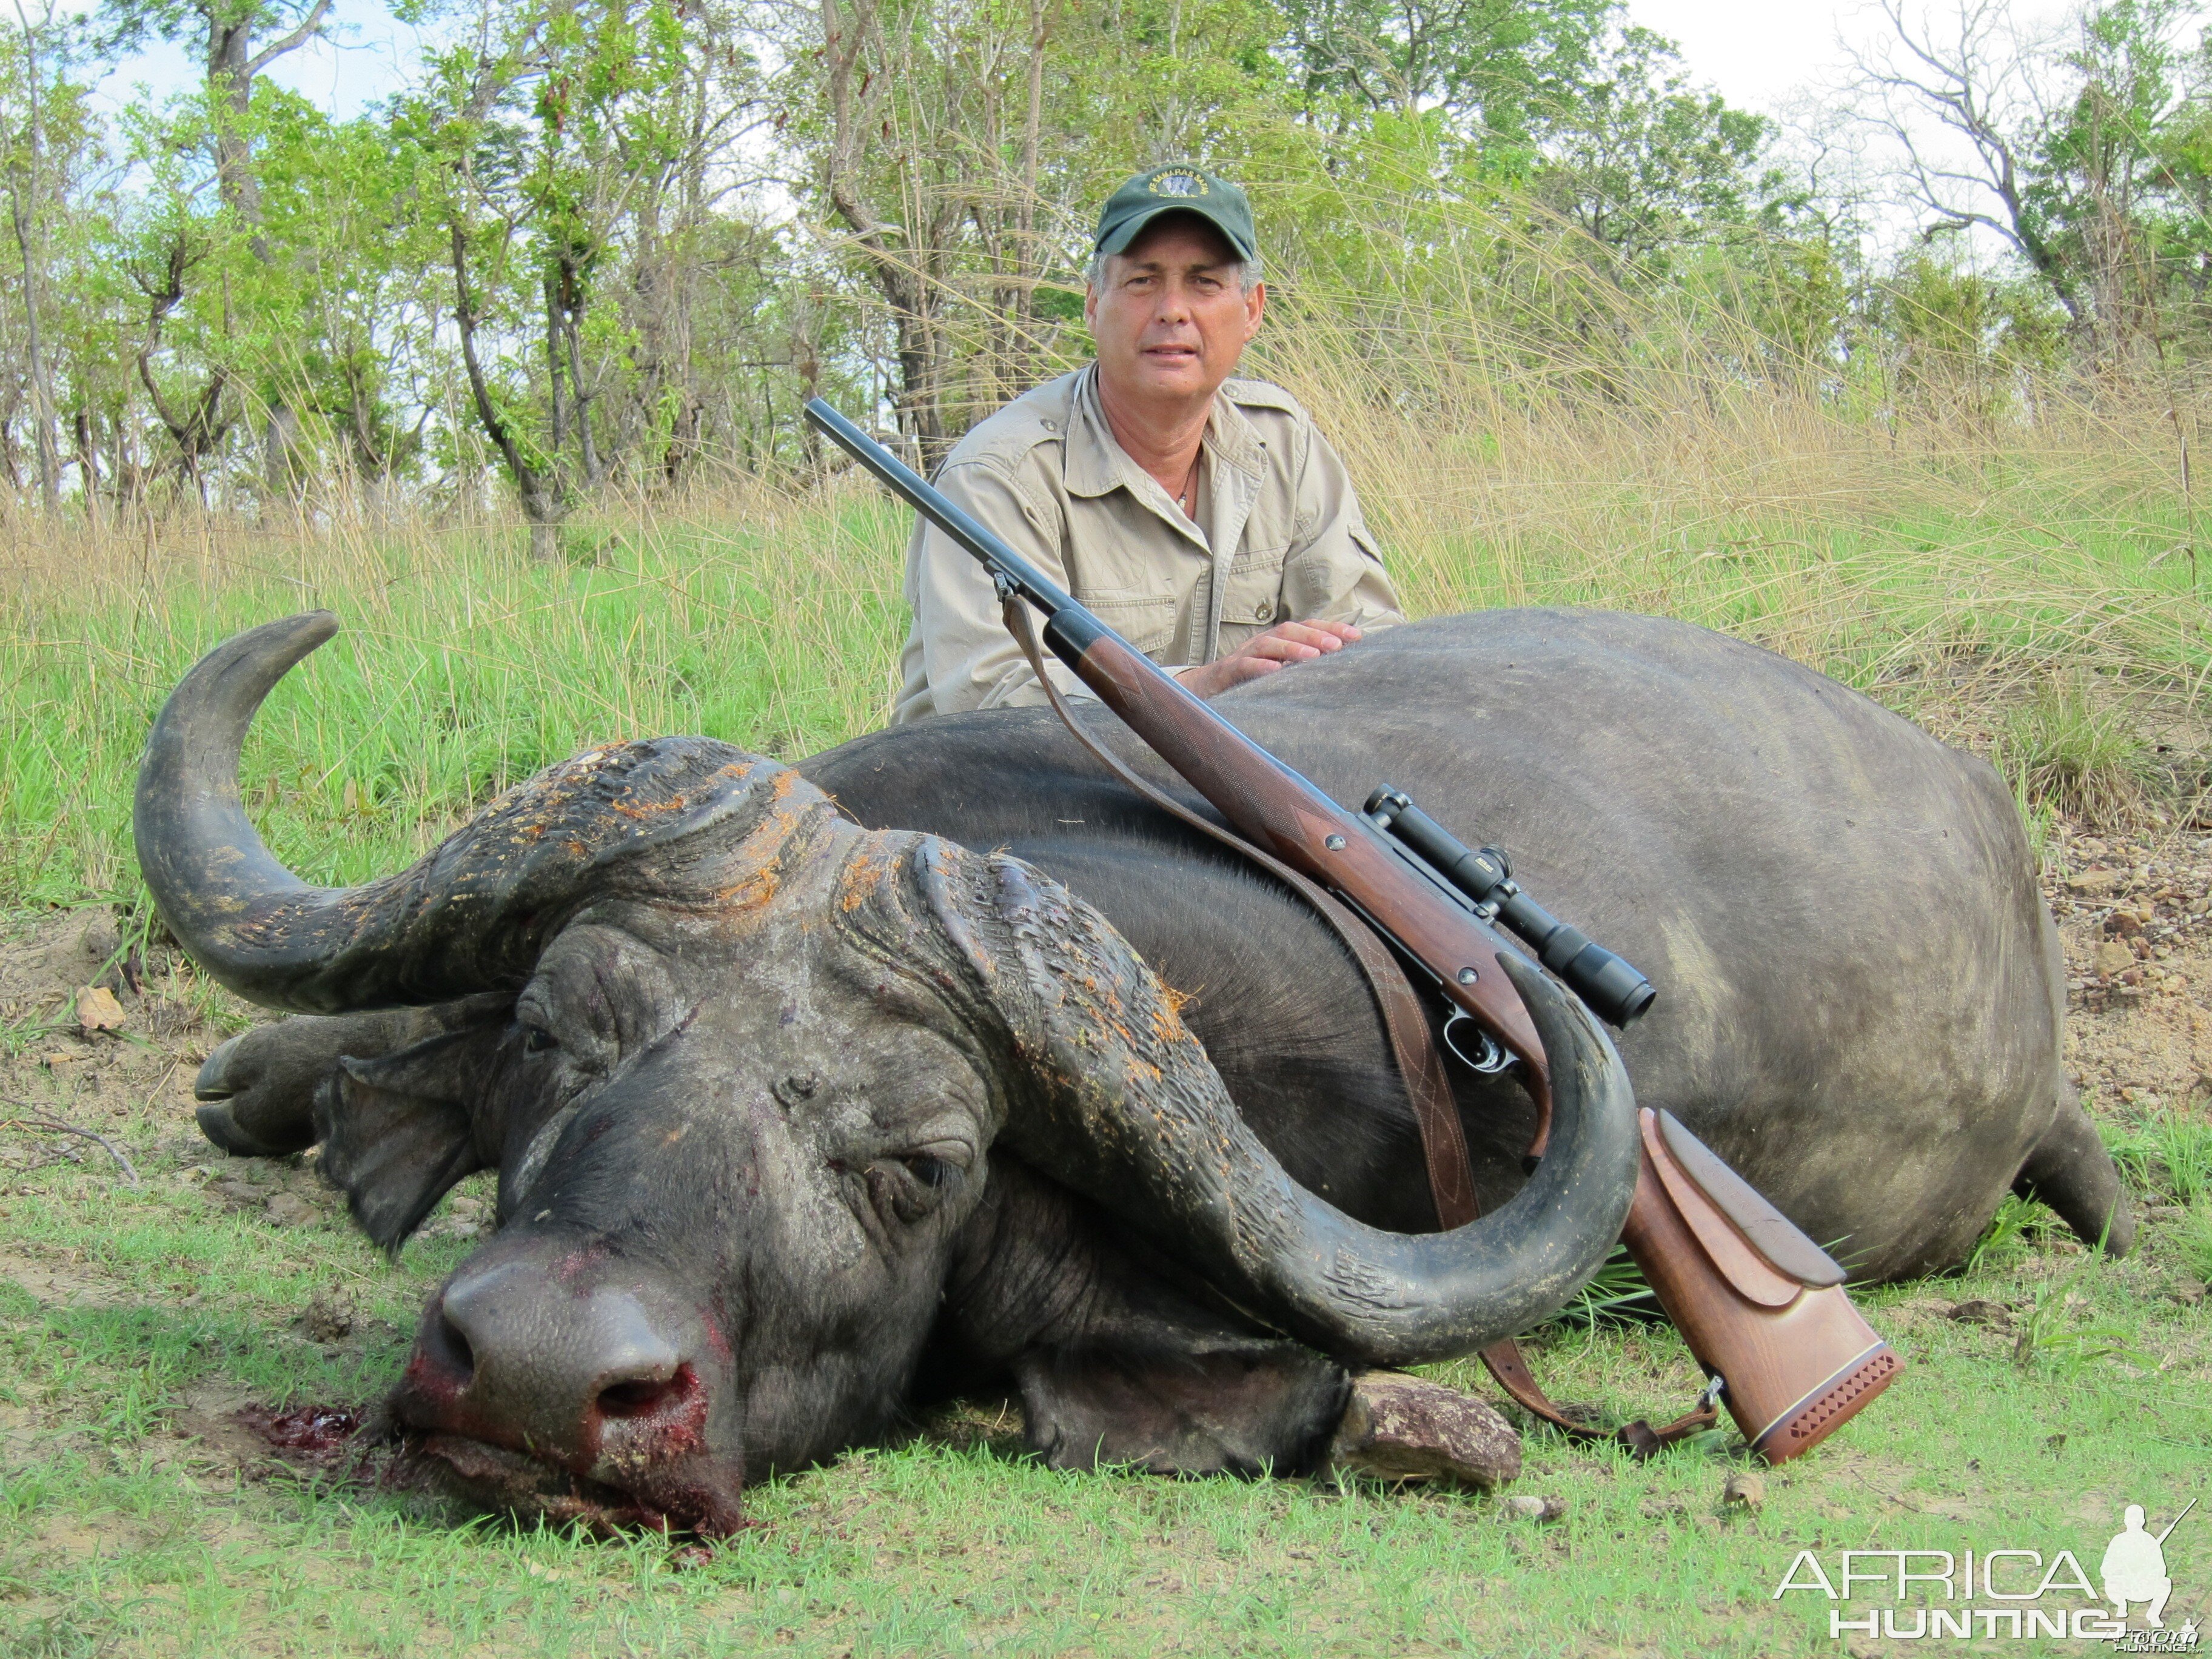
pixel 1263 653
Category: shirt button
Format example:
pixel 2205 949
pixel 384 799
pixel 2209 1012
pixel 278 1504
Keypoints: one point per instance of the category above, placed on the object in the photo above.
pixel 1047 426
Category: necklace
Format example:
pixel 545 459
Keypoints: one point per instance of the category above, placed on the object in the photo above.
pixel 1187 497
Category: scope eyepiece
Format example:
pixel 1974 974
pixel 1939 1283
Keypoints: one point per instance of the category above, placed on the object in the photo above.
pixel 1610 984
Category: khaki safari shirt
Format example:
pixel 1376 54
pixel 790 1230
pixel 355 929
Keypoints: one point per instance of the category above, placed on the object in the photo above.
pixel 1278 538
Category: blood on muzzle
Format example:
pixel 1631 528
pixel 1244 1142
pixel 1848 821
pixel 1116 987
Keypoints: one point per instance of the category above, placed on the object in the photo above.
pixel 527 1350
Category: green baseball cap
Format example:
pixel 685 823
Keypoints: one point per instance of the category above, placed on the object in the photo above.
pixel 1176 188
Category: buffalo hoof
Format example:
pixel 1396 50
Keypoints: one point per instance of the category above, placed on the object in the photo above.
pixel 219 1126
pixel 255 1090
pixel 1397 1427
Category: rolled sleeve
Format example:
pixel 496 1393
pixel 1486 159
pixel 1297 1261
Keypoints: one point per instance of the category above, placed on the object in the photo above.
pixel 958 655
pixel 1333 572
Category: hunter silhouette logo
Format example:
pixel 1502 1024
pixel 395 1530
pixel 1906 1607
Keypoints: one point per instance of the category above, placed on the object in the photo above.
pixel 1177 182
pixel 2134 1567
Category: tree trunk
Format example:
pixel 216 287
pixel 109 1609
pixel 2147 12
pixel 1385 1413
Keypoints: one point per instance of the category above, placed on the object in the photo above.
pixel 572 327
pixel 280 448
pixel 560 403
pixel 23 199
pixel 905 277
pixel 42 396
pixel 543 505
pixel 232 65
pixel 544 536
pixel 88 465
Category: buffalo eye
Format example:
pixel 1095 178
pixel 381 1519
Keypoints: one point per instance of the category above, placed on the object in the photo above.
pixel 933 1172
pixel 537 1040
pixel 906 1188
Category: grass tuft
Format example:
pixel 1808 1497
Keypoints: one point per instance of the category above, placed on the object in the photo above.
pixel 2193 1241
pixel 2020 1225
pixel 2167 1154
pixel 2069 755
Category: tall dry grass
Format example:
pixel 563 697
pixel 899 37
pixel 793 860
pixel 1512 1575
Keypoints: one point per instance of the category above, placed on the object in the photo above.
pixel 1865 518
pixel 1955 557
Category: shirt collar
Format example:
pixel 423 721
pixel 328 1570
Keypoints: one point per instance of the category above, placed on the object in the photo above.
pixel 1095 463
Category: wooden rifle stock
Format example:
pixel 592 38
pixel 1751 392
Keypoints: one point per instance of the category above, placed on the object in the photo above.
pixel 1760 1306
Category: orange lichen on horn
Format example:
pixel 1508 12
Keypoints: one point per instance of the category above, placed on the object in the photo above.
pixel 864 874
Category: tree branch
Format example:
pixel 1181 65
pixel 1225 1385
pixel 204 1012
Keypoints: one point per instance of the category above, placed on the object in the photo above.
pixel 299 36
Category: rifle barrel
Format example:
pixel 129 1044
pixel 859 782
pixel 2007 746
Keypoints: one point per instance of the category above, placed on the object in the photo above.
pixel 941 510
pixel 2176 1521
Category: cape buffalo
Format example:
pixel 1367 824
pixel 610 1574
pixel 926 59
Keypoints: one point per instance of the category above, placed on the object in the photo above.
pixel 796 1120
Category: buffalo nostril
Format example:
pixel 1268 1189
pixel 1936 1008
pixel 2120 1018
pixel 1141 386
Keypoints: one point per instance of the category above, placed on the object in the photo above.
pixel 453 1352
pixel 643 1396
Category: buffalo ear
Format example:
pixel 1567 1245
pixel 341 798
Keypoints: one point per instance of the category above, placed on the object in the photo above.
pixel 398 1131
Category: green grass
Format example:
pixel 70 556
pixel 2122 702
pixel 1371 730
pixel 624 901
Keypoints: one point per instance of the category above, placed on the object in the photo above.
pixel 460 672
pixel 114 1538
pixel 2169 1153
pixel 775 625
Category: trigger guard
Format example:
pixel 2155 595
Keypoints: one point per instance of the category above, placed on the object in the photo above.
pixel 1489 1060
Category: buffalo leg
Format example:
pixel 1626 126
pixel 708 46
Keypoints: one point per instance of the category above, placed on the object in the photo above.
pixel 1233 1406
pixel 258 1091
pixel 2071 1171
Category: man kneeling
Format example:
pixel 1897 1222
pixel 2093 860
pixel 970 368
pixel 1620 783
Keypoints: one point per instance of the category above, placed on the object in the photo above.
pixel 1203 518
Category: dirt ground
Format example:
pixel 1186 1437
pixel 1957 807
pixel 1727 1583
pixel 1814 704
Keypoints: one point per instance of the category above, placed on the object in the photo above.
pixel 2135 914
pixel 131 1086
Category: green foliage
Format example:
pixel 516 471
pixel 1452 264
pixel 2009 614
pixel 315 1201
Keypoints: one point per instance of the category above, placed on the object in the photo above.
pixel 2019 1225
pixel 597 248
pixel 2168 1154
pixel 1962 340
pixel 2068 752
pixel 1496 70
pixel 261 307
pixel 1645 164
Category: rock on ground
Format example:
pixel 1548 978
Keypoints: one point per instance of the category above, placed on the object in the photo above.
pixel 1400 1428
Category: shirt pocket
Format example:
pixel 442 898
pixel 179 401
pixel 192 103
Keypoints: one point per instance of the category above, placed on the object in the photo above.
pixel 1146 619
pixel 1252 594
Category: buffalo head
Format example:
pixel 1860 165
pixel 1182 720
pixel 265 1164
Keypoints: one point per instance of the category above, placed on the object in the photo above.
pixel 746 1071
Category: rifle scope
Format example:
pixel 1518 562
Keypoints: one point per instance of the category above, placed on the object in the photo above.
pixel 1612 987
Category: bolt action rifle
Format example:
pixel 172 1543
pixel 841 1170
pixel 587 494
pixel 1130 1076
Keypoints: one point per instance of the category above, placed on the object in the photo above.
pixel 1761 1306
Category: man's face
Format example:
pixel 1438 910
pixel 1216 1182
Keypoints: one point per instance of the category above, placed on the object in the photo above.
pixel 1168 314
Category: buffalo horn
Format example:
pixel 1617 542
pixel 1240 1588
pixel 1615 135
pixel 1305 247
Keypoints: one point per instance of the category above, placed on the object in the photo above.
pixel 471 914
pixel 1123 1105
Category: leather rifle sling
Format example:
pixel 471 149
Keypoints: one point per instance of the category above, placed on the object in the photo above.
pixel 1443 1145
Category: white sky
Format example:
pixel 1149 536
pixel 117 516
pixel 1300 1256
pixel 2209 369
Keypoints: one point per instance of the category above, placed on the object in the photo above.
pixel 1761 53
pixel 1758 52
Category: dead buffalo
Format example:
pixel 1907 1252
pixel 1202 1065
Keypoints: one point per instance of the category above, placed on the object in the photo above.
pixel 797 1121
